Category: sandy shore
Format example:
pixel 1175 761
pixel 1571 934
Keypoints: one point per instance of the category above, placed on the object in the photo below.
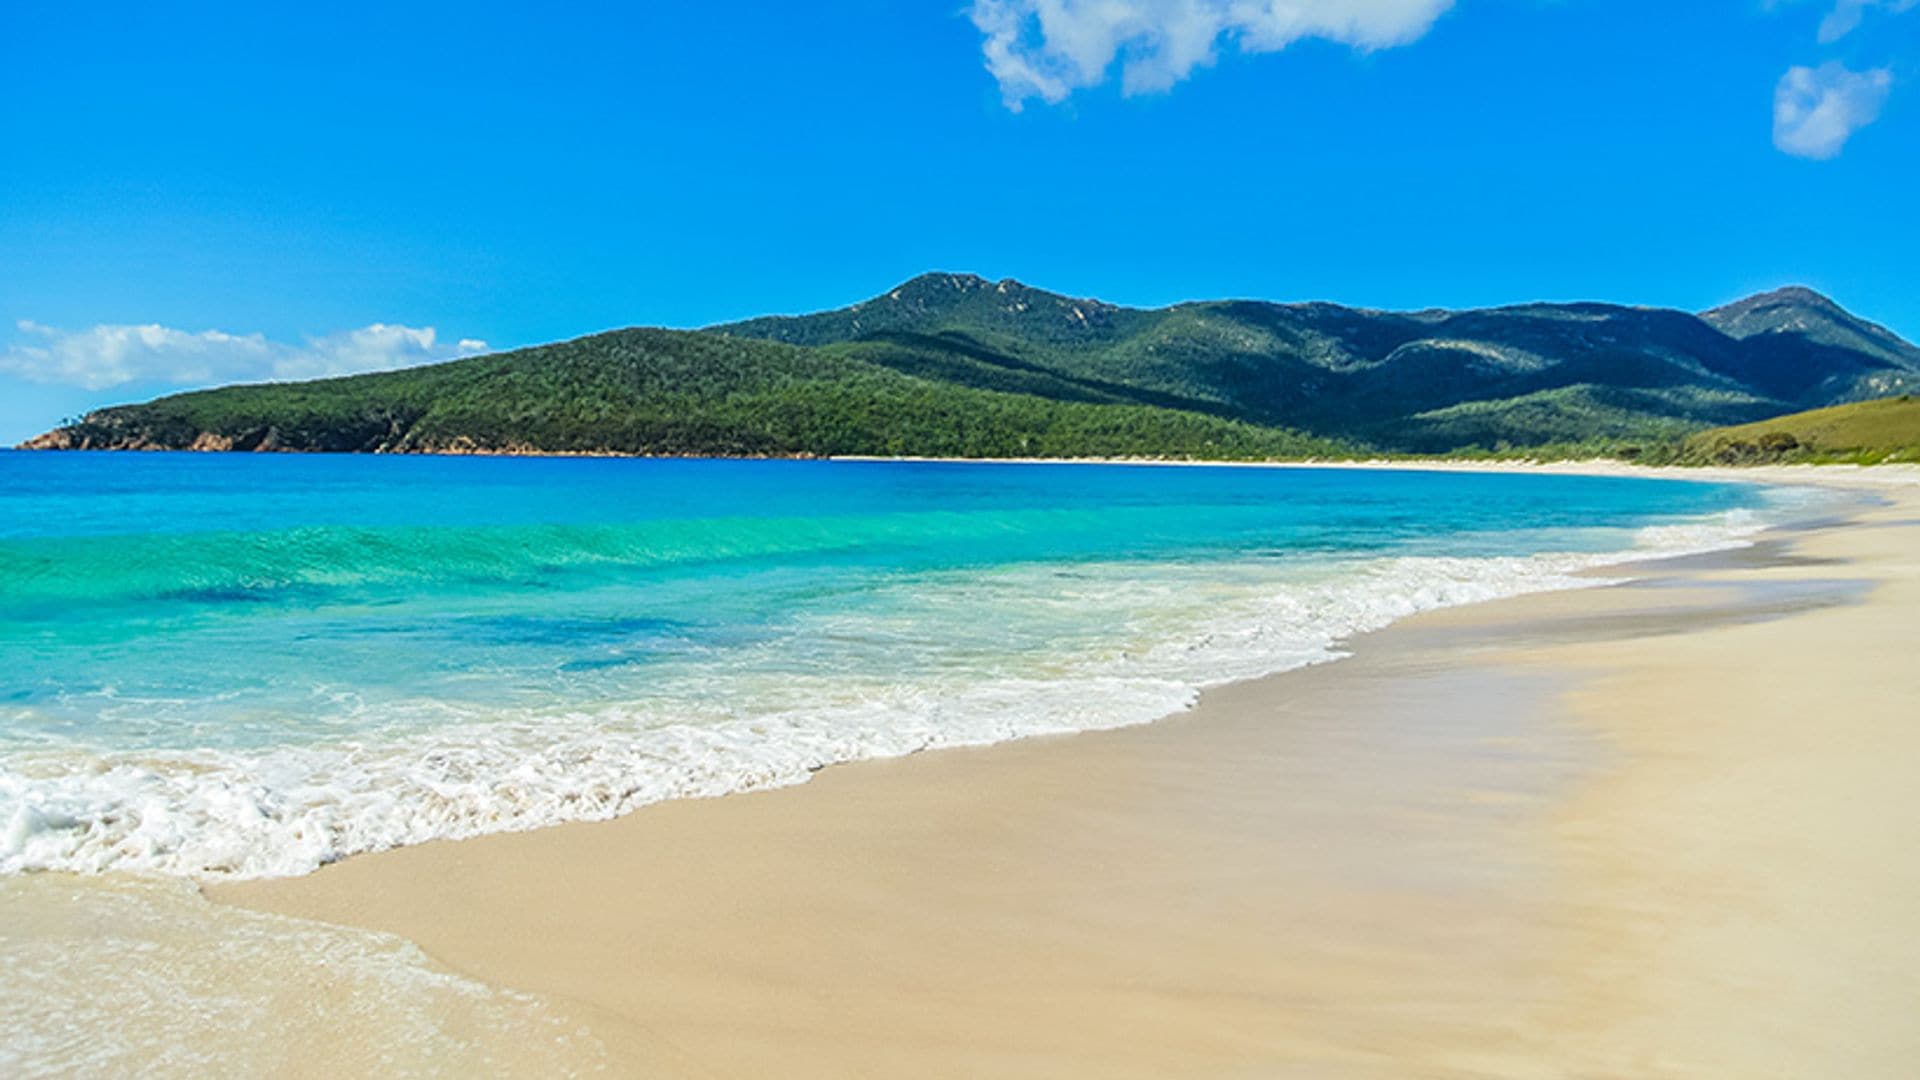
pixel 1666 828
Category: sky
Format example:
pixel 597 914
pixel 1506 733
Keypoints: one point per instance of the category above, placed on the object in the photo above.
pixel 202 193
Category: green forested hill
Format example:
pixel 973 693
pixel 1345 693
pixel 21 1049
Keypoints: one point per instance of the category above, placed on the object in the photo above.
pixel 953 364
pixel 669 392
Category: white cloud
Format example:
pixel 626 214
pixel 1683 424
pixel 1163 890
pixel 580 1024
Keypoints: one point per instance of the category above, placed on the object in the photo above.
pixel 1815 110
pixel 1846 15
pixel 1047 49
pixel 111 355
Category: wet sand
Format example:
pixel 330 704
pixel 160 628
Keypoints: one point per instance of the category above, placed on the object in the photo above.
pixel 1663 828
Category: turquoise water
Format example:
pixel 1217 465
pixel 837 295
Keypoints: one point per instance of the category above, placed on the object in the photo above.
pixel 248 665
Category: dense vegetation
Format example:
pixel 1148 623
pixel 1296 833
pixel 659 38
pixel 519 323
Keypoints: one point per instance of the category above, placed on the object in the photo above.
pixel 956 365
pixel 668 392
pixel 1866 433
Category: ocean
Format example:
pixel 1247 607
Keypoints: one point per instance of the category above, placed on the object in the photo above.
pixel 229 666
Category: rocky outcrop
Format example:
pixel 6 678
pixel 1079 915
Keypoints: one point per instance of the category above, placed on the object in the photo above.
pixel 107 429
pixel 128 429
pixel 207 441
pixel 57 439
pixel 89 435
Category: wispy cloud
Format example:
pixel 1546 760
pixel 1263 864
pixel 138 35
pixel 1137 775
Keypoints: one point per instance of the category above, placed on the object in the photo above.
pixel 1047 49
pixel 111 355
pixel 1815 110
pixel 1846 16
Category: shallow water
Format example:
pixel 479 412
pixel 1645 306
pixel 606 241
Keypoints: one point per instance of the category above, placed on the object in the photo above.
pixel 250 665
pixel 107 976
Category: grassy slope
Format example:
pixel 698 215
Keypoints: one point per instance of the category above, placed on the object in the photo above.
pixel 1867 432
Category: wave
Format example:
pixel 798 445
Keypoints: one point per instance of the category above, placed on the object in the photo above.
pixel 287 810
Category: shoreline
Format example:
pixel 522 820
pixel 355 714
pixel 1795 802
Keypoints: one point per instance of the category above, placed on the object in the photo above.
pixel 1838 475
pixel 461 900
pixel 1566 466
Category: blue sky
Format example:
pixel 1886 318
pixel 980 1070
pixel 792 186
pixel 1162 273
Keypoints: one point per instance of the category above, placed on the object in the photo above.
pixel 193 194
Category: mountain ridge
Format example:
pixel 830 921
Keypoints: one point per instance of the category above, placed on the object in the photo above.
pixel 1340 370
pixel 1010 367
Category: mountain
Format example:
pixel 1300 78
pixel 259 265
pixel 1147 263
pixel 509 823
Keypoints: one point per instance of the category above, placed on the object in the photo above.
pixel 1863 432
pixel 1417 381
pixel 954 364
pixel 1803 315
pixel 1802 347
